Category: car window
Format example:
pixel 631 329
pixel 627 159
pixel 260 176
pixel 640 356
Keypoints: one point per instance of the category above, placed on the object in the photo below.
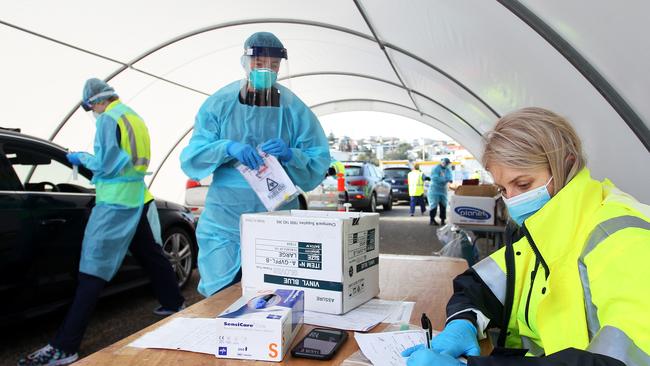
pixel 374 171
pixel 353 170
pixel 8 179
pixel 396 173
pixel 34 168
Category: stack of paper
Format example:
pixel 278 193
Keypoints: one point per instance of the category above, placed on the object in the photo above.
pixel 385 349
pixel 365 317
pixel 185 334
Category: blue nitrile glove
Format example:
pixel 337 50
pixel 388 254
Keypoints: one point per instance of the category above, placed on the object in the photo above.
pixel 457 339
pixel 245 154
pixel 420 355
pixel 74 158
pixel 277 147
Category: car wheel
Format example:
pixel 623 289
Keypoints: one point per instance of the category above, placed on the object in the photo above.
pixel 372 206
pixel 180 252
pixel 389 204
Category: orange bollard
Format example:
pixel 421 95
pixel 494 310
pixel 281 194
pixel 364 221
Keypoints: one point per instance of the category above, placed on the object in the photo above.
pixel 340 187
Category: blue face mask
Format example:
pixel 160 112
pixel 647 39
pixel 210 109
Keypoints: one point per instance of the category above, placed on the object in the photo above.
pixel 262 78
pixel 524 205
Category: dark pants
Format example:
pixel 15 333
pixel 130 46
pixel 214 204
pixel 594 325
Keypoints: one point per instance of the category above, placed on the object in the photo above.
pixel 415 200
pixel 150 255
pixel 443 213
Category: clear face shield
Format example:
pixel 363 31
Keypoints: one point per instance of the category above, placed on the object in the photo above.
pixel 263 66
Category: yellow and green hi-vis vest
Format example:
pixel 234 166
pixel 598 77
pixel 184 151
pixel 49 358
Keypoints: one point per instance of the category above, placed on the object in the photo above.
pixel 129 188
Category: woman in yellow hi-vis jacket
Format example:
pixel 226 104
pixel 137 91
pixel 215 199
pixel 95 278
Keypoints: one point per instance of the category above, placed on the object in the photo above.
pixel 574 289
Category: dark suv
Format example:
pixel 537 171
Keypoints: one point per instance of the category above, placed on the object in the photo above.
pixel 398 179
pixel 43 213
pixel 366 187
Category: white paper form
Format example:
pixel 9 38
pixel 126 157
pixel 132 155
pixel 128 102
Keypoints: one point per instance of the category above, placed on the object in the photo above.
pixel 270 182
pixel 402 314
pixel 363 318
pixel 185 334
pixel 385 349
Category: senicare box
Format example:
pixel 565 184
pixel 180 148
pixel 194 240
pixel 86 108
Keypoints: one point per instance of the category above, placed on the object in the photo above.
pixel 261 326
pixel 332 256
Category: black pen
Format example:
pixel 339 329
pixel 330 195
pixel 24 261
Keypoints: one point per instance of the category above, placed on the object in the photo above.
pixel 426 325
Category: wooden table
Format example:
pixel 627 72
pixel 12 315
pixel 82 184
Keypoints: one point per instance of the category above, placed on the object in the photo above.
pixel 425 280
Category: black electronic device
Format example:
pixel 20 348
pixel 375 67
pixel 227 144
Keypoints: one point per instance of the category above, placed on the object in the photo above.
pixel 320 343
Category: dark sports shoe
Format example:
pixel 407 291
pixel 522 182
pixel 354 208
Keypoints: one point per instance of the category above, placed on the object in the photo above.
pixel 165 312
pixel 48 356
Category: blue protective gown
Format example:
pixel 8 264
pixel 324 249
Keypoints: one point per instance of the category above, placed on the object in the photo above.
pixel 438 188
pixel 222 118
pixel 111 227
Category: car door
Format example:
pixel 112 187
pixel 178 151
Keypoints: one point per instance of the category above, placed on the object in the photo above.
pixel 385 186
pixel 380 186
pixel 58 206
pixel 15 243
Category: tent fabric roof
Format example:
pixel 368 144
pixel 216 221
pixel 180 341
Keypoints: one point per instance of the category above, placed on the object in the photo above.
pixel 454 65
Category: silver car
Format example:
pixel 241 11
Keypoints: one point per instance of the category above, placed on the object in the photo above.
pixel 196 191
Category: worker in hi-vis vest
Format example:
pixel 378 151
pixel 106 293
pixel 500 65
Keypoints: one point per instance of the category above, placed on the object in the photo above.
pixel 416 189
pixel 573 290
pixel 124 219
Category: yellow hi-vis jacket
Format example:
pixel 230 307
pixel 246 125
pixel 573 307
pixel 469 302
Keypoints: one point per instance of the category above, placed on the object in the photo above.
pixel 128 190
pixel 416 183
pixel 581 277
pixel 339 167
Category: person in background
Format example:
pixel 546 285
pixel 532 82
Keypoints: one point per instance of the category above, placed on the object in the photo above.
pixel 574 289
pixel 437 195
pixel 338 167
pixel 416 189
pixel 124 218
pixel 231 125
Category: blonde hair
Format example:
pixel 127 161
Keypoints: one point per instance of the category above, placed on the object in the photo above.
pixel 533 138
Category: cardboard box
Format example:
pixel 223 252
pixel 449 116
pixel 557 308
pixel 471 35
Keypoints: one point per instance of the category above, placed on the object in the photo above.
pixel 248 333
pixel 332 256
pixel 475 205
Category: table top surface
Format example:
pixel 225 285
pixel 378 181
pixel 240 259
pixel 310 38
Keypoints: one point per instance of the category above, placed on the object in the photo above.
pixel 425 280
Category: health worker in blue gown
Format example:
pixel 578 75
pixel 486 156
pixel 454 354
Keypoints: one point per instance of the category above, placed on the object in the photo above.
pixel 124 219
pixel 231 125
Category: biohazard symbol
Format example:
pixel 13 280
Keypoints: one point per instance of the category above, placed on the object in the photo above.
pixel 271 184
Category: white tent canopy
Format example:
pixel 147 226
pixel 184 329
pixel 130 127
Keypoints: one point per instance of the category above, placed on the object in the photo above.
pixel 456 65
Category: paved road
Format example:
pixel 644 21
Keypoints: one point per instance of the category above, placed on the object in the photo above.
pixel 124 314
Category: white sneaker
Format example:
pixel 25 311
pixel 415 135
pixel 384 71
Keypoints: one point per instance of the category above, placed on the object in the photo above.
pixel 48 356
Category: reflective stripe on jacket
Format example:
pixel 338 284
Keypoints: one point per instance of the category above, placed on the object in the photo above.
pixel 128 189
pixel 580 277
pixel 416 183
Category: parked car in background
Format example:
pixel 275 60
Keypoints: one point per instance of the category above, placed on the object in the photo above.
pixel 398 179
pixel 43 215
pixel 326 196
pixel 366 187
pixel 196 191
